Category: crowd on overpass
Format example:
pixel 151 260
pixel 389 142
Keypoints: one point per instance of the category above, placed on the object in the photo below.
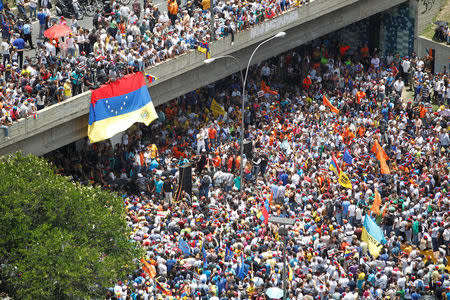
pixel 121 41
pixel 216 244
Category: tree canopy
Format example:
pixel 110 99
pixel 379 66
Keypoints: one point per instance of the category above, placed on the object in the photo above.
pixel 59 239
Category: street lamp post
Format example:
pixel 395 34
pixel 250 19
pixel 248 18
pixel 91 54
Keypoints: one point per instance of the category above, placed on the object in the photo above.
pixel 244 96
pixel 284 233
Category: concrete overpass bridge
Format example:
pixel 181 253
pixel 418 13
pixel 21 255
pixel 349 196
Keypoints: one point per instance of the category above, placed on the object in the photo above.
pixel 66 122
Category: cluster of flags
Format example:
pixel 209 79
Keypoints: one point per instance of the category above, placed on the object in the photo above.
pixel 342 177
pixel 150 270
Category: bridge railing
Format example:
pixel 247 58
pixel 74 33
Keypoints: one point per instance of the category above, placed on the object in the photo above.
pixel 78 106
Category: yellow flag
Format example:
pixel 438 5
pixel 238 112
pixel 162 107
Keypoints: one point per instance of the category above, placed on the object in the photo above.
pixel 344 181
pixel 216 109
pixel 290 273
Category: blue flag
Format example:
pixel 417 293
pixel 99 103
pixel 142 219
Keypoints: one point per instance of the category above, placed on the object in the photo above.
pixel 243 269
pixel 205 262
pixel 228 254
pixel 184 247
pixel 221 285
pixel 347 157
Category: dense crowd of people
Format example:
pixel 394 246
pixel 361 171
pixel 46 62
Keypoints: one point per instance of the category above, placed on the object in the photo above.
pixel 216 243
pixel 442 32
pixel 122 40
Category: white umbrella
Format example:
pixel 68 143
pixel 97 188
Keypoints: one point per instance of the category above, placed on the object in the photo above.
pixel 274 293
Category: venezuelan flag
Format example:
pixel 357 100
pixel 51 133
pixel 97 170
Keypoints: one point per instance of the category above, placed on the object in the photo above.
pixel 118 105
pixel 150 78
pixel 162 288
pixel 373 236
pixel 334 166
pixel 264 215
pixel 204 48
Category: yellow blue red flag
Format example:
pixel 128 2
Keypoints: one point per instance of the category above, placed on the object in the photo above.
pixel 118 105
pixel 373 236
pixel 150 78
pixel 163 288
pixel 204 48
pixel 334 166
pixel 264 213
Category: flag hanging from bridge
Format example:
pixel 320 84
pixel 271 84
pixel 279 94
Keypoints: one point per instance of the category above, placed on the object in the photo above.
pixel 118 105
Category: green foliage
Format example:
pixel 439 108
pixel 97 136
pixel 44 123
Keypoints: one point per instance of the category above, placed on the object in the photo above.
pixel 59 240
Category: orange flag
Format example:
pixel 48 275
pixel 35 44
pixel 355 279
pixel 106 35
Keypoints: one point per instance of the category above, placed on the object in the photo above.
pixel 328 103
pixel 384 166
pixel 376 203
pixel 423 111
pixel 148 268
pixel 384 210
pixel 378 150
pixel 271 198
pixel 266 89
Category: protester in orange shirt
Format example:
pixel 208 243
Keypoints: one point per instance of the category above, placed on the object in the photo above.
pixel 238 162
pixel 172 10
pixel 217 161
pixel 212 134
pixel 360 95
pixel 361 131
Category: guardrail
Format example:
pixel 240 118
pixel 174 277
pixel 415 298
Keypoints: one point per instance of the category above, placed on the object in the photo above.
pixel 172 74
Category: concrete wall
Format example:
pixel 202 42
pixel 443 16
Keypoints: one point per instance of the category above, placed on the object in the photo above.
pixel 426 11
pixel 442 53
pixel 188 72
pixel 54 127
